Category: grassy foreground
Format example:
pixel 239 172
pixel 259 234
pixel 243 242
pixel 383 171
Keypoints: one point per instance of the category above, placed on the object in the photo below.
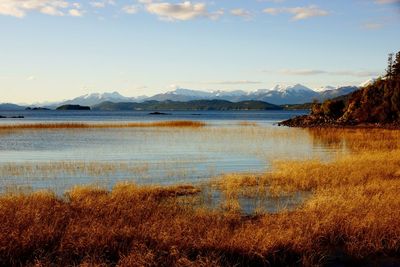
pixel 352 217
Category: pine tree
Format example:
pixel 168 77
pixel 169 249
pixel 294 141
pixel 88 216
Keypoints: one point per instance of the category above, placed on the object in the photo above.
pixel 389 70
pixel 396 66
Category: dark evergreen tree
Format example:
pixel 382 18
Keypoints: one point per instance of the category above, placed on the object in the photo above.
pixel 389 70
pixel 396 66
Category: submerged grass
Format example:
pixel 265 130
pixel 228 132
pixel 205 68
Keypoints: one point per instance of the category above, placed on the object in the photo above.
pixel 70 125
pixel 352 217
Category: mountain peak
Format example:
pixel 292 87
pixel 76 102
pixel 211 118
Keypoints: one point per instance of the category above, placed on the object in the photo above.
pixel 293 88
pixel 326 88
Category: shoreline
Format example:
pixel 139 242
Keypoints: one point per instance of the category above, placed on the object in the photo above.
pixel 309 121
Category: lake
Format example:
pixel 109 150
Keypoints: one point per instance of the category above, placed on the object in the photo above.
pixel 231 142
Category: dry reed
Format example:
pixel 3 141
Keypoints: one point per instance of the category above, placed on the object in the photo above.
pixel 77 125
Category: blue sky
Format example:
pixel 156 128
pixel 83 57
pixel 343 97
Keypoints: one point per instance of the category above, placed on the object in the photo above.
pixel 59 49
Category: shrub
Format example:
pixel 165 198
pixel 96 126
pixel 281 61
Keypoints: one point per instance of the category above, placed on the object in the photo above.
pixel 333 109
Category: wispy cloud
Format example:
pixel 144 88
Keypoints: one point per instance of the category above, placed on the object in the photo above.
pixel 75 12
pixel 101 3
pixel 49 7
pixel 384 2
pixel 98 4
pixel 180 11
pixel 373 26
pixel 130 9
pixel 241 82
pixel 298 13
pixel 240 12
pixel 312 72
pixel 356 73
pixel 302 72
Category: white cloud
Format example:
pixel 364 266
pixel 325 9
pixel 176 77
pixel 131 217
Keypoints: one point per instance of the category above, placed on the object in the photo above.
pixel 31 78
pixel 356 73
pixel 75 13
pixel 373 26
pixel 20 8
pixel 383 2
pixel 302 72
pixel 132 9
pixel 240 12
pixel 102 3
pixel 98 4
pixel 311 72
pixel 299 13
pixel 180 11
pixel 50 10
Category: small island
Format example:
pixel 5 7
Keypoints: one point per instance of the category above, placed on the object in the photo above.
pixel 37 108
pixel 12 117
pixel 375 105
pixel 159 113
pixel 73 107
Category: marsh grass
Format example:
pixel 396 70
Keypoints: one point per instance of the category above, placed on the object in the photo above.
pixel 351 216
pixel 150 225
pixel 356 139
pixel 90 168
pixel 248 123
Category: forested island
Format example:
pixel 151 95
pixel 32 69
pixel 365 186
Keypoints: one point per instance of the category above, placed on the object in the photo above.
pixel 73 107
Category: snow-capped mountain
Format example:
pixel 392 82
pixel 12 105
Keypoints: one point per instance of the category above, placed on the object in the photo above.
pixel 278 95
pixel 96 98
pixel 181 94
pixel 332 93
pixel 326 88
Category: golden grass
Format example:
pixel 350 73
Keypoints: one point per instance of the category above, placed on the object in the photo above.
pixel 77 125
pixel 248 123
pixel 135 226
pixel 356 139
pixel 351 218
pixel 50 169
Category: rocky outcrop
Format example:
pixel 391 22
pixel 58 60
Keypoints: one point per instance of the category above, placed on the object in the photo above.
pixel 376 105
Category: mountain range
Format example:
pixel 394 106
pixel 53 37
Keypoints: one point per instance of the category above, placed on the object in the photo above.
pixel 278 95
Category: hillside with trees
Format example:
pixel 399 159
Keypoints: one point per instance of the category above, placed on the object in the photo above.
pixel 377 104
pixel 190 105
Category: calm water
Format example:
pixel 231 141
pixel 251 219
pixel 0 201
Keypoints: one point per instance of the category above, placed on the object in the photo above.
pixel 59 159
pixel 268 117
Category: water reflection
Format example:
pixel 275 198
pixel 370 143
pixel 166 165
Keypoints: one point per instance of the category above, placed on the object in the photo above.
pixel 58 159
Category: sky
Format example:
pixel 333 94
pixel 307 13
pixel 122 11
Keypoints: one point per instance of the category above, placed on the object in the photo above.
pixel 52 50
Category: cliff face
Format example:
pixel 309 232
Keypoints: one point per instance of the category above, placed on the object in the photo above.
pixel 377 104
